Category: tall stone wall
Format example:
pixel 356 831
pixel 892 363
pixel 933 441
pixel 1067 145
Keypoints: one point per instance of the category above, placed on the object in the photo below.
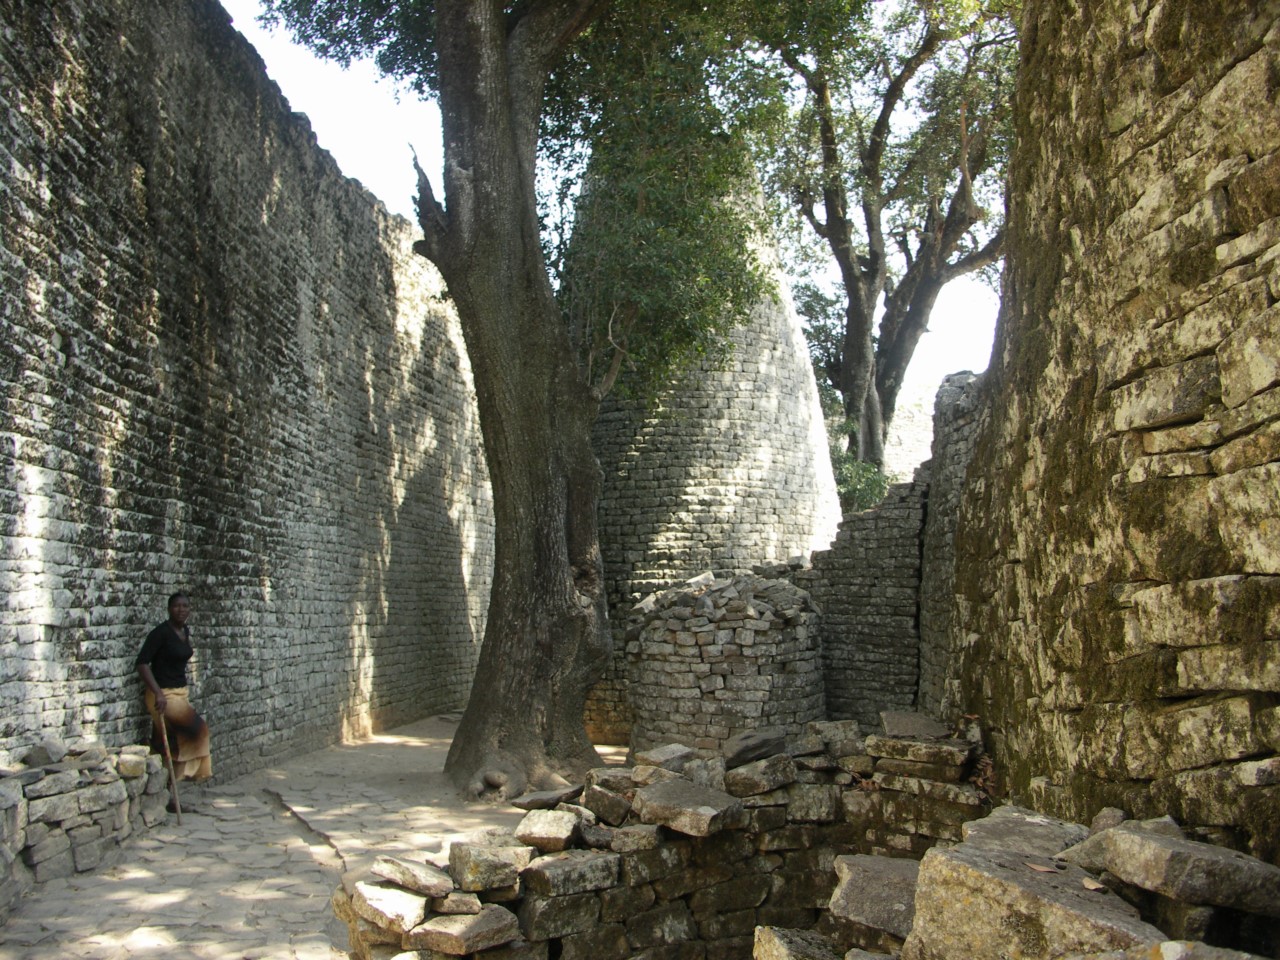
pixel 1118 575
pixel 956 418
pixel 224 371
pixel 867 586
pixel 731 470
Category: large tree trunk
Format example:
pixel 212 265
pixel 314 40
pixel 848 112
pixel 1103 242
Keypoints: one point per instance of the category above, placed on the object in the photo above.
pixel 545 640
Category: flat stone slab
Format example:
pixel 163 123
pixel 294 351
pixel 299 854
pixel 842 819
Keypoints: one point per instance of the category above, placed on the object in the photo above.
pixel 547 799
pixel 920 749
pixel 760 776
pixel 753 745
pixel 1193 872
pixel 461 934
pixel 672 757
pixel 876 892
pixel 572 871
pixel 688 808
pixel 779 943
pixel 991 905
pixel 1019 830
pixel 908 723
pixel 424 878
pixel 480 866
pixel 548 830
pixel 1170 950
pixel 1091 853
pixel 388 906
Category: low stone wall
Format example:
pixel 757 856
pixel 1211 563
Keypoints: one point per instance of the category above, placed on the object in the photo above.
pixel 718 658
pixel 683 854
pixel 66 813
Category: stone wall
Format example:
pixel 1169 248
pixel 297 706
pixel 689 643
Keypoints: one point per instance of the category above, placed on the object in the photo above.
pixel 225 372
pixel 955 425
pixel 867 586
pixel 1118 551
pixel 729 471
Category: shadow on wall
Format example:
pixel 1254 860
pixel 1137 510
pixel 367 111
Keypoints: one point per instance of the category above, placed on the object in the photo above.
pixel 233 377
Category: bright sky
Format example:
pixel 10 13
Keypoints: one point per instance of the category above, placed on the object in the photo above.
pixel 358 118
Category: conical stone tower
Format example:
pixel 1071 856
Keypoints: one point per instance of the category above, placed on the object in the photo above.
pixel 730 470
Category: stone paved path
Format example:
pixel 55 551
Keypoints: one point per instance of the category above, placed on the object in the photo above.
pixel 249 873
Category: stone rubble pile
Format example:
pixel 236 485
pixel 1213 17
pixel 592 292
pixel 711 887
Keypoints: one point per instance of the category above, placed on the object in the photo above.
pixel 1029 886
pixel 683 854
pixel 713 658
pixel 66 811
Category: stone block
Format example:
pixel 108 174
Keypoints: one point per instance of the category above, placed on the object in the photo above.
pixel 638 836
pixel 681 883
pixel 101 796
pixel 543 918
pixel 607 941
pixel 1244 507
pixel 1167 395
pixel 1018 830
pixel 1249 358
pixel 989 904
pixel 613 808
pixel 778 943
pixel 65 781
pixel 943 752
pixel 671 757
pixel 548 830
pixel 54 809
pixel 622 902
pixel 388 906
pixel 760 776
pixel 741 893
pixel 615 779
pixel 1192 872
pixel 687 808
pixel 832 731
pixel 516 950
pixel 666 924
pixel 48 750
pixel 131 765
pixel 813 802
pixel 424 878
pixel 877 893
pixel 753 745
pixel 52 844
pixel 571 871
pixel 943 773
pixel 908 723
pixel 91 853
pixel 960 793
pixel 479 866
pixel 460 934
pixel 1168 950
pixel 55 868
pixel 645 866
pixel 547 799
pixel 456 902
pixel 1236 666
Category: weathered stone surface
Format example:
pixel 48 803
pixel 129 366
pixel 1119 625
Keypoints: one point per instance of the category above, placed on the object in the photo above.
pixel 634 837
pixel 459 934
pixel 834 731
pixel 542 918
pixel 686 807
pixel 666 924
pixel 1169 950
pixel 53 809
pixel 742 893
pixel 424 878
pixel 777 943
pixel 876 892
pixel 671 757
pixel 622 902
pixel 63 782
pixel 547 799
pixel 572 871
pixel 517 950
pixel 548 830
pixel 987 905
pixel 945 773
pixel 479 866
pixel 613 808
pixel 1091 853
pixel 48 750
pixel 945 752
pixel 908 723
pixel 388 906
pixel 456 902
pixel 1018 830
pixel 1193 872
pixel 813 802
pixel 607 941
pixel 760 776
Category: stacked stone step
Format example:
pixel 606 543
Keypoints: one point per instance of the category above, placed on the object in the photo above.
pixel 683 853
pixel 66 811
pixel 715 658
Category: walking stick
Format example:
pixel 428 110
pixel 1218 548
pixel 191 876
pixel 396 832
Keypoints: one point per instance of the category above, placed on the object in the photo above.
pixel 168 759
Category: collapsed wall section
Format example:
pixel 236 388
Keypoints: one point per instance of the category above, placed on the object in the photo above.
pixel 1117 611
pixel 224 372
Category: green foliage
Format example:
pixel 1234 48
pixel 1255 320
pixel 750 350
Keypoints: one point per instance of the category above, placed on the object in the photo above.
pixel 860 485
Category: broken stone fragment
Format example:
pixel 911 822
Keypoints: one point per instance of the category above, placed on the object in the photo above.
pixel 423 878
pixel 687 807
pixel 753 745
pixel 571 871
pixel 388 906
pixel 918 750
pixel 643 775
pixel 456 902
pixel 476 866
pixel 876 892
pixel 1193 872
pixel 1091 854
pixel 616 779
pixel 609 806
pixel 760 776
pixel 548 830
pixel 1106 818
pixel 1019 830
pixel 671 757
pixel 706 772
pixel 49 750
pixel 462 933
pixel 778 943
pixel 547 799
pixel 979 904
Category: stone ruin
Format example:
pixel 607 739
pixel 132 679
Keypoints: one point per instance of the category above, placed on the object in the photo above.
pixel 776 848
pixel 713 659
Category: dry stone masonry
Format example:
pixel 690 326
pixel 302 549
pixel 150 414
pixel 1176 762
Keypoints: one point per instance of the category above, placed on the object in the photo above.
pixel 712 660
pixel 730 470
pixel 64 812
pixel 224 371
pixel 1117 583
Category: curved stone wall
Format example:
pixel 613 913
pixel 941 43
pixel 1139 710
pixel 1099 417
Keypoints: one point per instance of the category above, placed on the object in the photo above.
pixel 730 471
pixel 224 371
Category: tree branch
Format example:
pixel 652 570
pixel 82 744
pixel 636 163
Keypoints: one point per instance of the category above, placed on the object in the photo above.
pixel 431 215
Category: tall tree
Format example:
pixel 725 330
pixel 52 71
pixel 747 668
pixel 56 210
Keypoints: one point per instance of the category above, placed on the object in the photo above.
pixel 542 366
pixel 894 162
